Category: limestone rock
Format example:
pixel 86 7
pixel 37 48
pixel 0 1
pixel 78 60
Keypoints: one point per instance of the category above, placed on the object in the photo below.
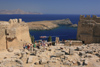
pixel 17 53
pixel 43 61
pixel 85 62
pixel 66 63
pixel 82 53
pixel 59 54
pixel 71 51
pixel 30 59
pixel 79 48
pixel 19 61
pixel 89 51
pixel 10 49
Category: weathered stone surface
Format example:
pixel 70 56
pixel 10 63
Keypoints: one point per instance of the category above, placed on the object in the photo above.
pixel 71 51
pixel 88 56
pixel 17 53
pixel 66 63
pixel 79 48
pixel 43 61
pixel 13 34
pixel 88 29
pixel 82 53
pixel 89 51
pixel 85 62
pixel 79 62
pixel 30 59
pixel 59 54
pixel 19 61
pixel 65 57
pixel 10 49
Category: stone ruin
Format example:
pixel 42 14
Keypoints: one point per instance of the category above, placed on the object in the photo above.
pixel 53 56
pixel 57 40
pixel 13 34
pixel 88 29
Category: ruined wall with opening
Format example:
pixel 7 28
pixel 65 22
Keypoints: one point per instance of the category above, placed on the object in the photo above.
pixel 88 29
pixel 13 34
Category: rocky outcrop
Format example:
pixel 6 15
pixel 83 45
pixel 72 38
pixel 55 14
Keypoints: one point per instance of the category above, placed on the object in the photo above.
pixel 74 25
pixel 42 25
pixel 17 11
pixel 47 25
pixel 62 22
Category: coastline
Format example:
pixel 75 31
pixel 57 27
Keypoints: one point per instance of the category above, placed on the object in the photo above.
pixel 48 25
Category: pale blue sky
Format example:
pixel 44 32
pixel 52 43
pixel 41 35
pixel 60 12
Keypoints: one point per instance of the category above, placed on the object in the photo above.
pixel 53 6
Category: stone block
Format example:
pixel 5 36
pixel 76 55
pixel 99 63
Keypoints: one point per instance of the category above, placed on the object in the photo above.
pixel 89 51
pixel 79 48
pixel 82 53
pixel 37 62
pixel 65 57
pixel 79 62
pixel 43 61
pixel 85 62
pixel 88 56
pixel 19 61
pixel 73 62
pixel 10 49
pixel 17 54
pixel 66 63
pixel 59 54
pixel 71 51
pixel 30 59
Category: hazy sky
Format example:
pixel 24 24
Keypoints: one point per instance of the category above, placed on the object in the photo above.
pixel 53 6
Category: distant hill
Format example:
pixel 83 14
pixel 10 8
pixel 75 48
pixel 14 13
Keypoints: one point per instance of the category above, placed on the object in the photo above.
pixel 17 11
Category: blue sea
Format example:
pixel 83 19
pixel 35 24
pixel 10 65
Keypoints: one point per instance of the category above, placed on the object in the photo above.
pixel 63 32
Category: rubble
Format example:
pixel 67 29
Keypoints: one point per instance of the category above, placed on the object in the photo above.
pixel 53 56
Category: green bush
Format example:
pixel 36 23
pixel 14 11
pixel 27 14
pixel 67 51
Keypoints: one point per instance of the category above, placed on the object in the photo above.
pixel 49 39
pixel 32 39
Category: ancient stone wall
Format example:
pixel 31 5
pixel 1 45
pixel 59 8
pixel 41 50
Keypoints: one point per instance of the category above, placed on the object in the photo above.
pixel 13 34
pixel 88 17
pixel 88 29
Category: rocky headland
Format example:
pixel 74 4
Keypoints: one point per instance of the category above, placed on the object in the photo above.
pixel 17 11
pixel 47 25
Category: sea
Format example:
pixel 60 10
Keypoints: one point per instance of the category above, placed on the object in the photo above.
pixel 63 31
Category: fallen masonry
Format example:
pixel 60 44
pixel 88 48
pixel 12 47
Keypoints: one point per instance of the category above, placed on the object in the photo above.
pixel 53 56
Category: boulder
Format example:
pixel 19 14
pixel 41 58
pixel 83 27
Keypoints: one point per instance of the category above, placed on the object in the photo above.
pixel 82 53
pixel 65 57
pixel 17 54
pixel 37 62
pixel 19 61
pixel 79 48
pixel 59 54
pixel 52 61
pixel 66 63
pixel 43 61
pixel 79 62
pixel 89 51
pixel 88 56
pixel 85 62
